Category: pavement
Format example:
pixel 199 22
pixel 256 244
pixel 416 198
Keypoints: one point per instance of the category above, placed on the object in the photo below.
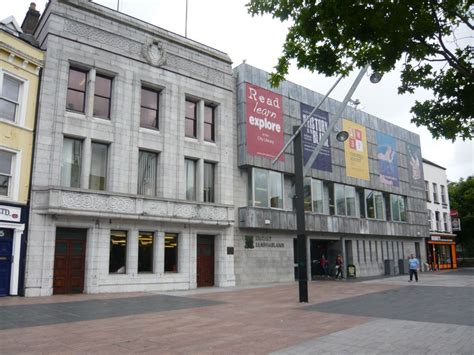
pixel 369 316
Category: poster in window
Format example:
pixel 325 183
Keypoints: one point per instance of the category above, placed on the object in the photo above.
pixel 311 135
pixel 355 151
pixel 388 159
pixel 264 122
pixel 415 168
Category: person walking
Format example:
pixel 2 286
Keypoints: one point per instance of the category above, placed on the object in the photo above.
pixel 414 265
pixel 324 266
pixel 339 266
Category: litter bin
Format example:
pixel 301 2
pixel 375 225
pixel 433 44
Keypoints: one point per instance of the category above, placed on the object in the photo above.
pixel 389 267
pixel 351 271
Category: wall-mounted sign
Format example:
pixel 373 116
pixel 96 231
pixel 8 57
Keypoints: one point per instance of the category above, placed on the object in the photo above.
pixel 311 135
pixel 264 122
pixel 355 151
pixel 388 160
pixel 455 224
pixel 415 168
pixel 10 214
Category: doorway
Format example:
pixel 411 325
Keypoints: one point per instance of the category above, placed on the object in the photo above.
pixel 69 260
pixel 205 260
pixel 329 248
pixel 6 245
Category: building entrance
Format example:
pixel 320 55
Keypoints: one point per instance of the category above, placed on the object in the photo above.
pixel 330 249
pixel 6 245
pixel 205 260
pixel 69 260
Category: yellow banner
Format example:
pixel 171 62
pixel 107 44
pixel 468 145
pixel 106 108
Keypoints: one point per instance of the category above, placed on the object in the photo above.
pixel 355 151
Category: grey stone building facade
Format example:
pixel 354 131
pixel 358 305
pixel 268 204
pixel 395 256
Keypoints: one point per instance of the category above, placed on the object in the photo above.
pixel 133 175
pixel 365 199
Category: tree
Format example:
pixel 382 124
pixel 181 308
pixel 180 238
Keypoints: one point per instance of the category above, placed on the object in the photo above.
pixel 334 37
pixel 461 198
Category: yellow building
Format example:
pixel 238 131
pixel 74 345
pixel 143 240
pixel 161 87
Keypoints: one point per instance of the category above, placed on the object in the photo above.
pixel 20 74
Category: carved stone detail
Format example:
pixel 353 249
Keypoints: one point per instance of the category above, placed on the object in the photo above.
pixel 155 208
pixel 193 68
pixel 185 211
pixel 98 202
pixel 154 52
pixel 213 213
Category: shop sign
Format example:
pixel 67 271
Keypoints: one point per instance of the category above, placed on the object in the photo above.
pixel 439 239
pixel 266 242
pixel 10 214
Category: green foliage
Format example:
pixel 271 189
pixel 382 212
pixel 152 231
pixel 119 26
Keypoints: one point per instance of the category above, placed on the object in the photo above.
pixel 333 37
pixel 461 198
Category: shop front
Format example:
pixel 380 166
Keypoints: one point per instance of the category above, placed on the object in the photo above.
pixel 441 253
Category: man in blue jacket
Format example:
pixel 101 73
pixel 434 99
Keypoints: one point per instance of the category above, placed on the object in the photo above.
pixel 414 265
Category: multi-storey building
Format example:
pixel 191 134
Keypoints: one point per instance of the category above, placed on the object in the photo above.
pixel 441 245
pixel 364 198
pixel 133 175
pixel 20 70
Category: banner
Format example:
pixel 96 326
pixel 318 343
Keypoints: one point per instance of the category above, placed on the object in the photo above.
pixel 264 122
pixel 388 160
pixel 311 135
pixel 415 168
pixel 355 151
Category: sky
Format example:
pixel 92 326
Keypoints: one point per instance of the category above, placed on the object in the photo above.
pixel 226 26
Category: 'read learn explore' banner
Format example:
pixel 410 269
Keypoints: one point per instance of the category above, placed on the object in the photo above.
pixel 355 148
pixel 264 122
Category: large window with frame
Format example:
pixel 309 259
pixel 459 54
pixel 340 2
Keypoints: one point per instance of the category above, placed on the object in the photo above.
pixel 98 172
pixel 149 108
pixel 266 188
pixel 427 191
pixel 6 172
pixel 190 127
pixel 71 163
pixel 145 251
pixel 374 204
pixel 398 208
pixel 435 193
pixel 171 252
pixel 10 96
pixel 444 201
pixel 445 222
pixel 76 90
pixel 209 182
pixel 102 96
pixel 147 173
pixel 209 123
pixel 345 200
pixel 118 252
pixel 314 195
pixel 190 166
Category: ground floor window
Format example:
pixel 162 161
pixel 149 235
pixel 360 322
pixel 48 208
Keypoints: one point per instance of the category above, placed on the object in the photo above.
pixel 171 252
pixel 118 252
pixel 145 251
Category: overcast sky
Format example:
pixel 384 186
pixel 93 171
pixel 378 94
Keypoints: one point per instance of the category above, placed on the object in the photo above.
pixel 225 25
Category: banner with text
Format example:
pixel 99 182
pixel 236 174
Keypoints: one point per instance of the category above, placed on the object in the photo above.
pixel 311 135
pixel 264 122
pixel 355 151
pixel 415 168
pixel 388 159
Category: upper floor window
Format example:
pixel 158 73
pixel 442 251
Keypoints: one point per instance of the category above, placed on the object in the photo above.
pixel 427 191
pixel 147 173
pixel 71 163
pixel 76 90
pixel 98 172
pixel 149 108
pixel 191 119
pixel 374 204
pixel 345 200
pixel 443 195
pixel 102 95
pixel 314 199
pixel 430 218
pixel 190 166
pixel 208 182
pixel 266 188
pixel 438 221
pixel 6 172
pixel 209 123
pixel 445 222
pixel 10 96
pixel 398 208
pixel 435 193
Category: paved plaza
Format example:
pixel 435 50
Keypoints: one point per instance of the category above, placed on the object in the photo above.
pixel 387 315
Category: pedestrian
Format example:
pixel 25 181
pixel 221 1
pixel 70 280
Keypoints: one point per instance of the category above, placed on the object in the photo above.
pixel 339 267
pixel 414 265
pixel 324 266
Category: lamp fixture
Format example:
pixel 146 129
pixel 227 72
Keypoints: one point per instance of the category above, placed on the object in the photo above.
pixel 375 77
pixel 342 136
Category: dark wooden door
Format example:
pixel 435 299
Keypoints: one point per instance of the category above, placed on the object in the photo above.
pixel 6 242
pixel 69 261
pixel 205 260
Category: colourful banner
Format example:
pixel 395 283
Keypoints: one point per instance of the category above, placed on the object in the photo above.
pixel 312 133
pixel 264 122
pixel 388 159
pixel 355 149
pixel 415 168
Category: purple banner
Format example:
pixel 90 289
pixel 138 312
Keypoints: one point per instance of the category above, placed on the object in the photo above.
pixel 388 159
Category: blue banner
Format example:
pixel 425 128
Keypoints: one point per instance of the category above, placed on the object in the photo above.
pixel 388 161
pixel 312 133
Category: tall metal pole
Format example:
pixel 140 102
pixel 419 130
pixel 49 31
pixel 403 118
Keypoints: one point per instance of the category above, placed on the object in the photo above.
pixel 186 21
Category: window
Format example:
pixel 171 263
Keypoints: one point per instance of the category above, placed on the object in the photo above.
pixel 147 171
pixel 71 163
pixel 6 172
pixel 145 251
pixel 267 189
pixel 314 195
pixel 443 195
pixel 430 217
pixel 149 108
pixel 375 206
pixel 98 173
pixel 102 94
pixel 438 221
pixel 345 197
pixel 209 123
pixel 445 222
pixel 76 90
pixel 435 193
pixel 118 252
pixel 171 252
pixel 208 182
pixel 427 191
pixel 190 179
pixel 398 207
pixel 190 129
pixel 10 96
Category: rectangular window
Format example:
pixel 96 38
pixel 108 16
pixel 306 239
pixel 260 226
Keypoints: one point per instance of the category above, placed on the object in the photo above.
pixel 345 197
pixel 209 123
pixel 443 195
pixel 445 221
pixel 398 208
pixel 147 172
pixel 438 221
pixel 276 189
pixel 102 95
pixel 427 191
pixel 208 182
pixel 430 218
pixel 6 172
pixel 98 173
pixel 375 205
pixel 10 98
pixel 267 188
pixel 171 252
pixel 435 193
pixel 365 251
pixel 149 108
pixel 381 249
pixel 358 251
pixel 71 163
pixel 376 252
pixel 118 252
pixel 340 200
pixel 76 90
pixel 145 251
pixel 370 250
pixel 190 179
pixel 190 128
pixel 317 196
